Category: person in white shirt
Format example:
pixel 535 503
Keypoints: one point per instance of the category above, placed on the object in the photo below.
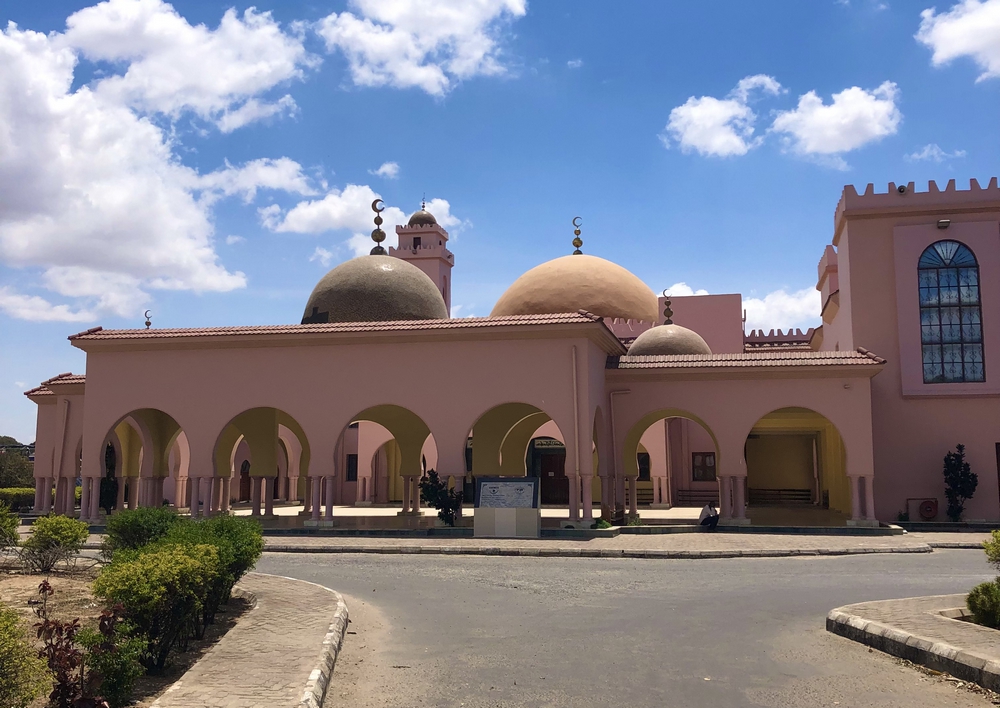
pixel 709 517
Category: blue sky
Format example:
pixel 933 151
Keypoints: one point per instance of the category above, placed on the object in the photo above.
pixel 210 163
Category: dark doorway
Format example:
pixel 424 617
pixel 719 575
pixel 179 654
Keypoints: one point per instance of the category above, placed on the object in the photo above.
pixel 245 481
pixel 547 460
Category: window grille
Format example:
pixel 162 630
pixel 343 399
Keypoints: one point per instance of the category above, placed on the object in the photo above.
pixel 951 329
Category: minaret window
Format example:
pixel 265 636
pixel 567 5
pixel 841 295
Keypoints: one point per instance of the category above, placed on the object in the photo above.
pixel 416 242
pixel 951 329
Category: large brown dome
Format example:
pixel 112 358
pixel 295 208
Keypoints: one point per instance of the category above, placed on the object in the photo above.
pixel 579 282
pixel 375 289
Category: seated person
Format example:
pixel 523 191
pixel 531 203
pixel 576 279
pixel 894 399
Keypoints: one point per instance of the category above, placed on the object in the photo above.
pixel 709 517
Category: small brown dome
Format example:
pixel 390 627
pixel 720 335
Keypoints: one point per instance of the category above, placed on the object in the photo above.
pixel 422 218
pixel 375 289
pixel 668 339
pixel 579 282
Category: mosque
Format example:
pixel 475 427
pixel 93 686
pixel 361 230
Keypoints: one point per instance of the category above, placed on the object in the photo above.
pixel 618 400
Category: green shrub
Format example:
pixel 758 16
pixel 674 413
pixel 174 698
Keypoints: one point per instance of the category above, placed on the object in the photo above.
pixel 247 539
pixel 23 676
pixel 8 528
pixel 984 604
pixel 113 659
pixel 992 548
pixel 134 528
pixel 77 495
pixel 161 592
pixel 53 539
pixel 960 482
pixel 17 498
pixel 603 524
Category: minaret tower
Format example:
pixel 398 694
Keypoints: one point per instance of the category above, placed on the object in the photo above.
pixel 424 243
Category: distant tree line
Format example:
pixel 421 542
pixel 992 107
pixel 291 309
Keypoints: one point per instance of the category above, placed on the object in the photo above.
pixel 16 469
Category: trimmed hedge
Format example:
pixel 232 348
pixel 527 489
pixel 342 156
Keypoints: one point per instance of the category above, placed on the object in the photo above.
pixel 984 604
pixel 132 529
pixel 23 676
pixel 9 522
pixel 18 498
pixel 161 592
pixel 53 538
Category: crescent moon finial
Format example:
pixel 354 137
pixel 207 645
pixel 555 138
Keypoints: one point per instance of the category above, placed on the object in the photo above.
pixel 577 221
pixel 148 321
pixel 378 235
pixel 577 241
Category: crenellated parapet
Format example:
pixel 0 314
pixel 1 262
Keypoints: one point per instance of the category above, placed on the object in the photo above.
pixel 901 198
pixel 626 329
pixel 796 338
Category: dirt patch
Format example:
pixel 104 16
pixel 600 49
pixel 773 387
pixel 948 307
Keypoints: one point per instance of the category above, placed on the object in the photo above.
pixel 73 598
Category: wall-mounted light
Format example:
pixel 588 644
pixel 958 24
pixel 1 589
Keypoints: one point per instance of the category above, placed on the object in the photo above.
pixel 943 223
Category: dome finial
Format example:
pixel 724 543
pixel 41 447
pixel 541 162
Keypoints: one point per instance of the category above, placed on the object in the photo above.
pixel 667 312
pixel 378 235
pixel 423 202
pixel 577 241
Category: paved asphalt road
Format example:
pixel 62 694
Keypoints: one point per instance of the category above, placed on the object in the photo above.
pixel 500 631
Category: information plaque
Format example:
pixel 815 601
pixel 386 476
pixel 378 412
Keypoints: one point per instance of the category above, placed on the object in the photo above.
pixel 507 492
pixel 507 507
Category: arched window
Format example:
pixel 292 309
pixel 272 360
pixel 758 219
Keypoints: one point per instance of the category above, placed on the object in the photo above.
pixel 951 330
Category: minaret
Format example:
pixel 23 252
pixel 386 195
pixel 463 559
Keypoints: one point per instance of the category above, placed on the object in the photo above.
pixel 424 243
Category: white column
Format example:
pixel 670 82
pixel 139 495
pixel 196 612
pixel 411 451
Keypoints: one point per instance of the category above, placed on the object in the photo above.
pixel 406 495
pixel 329 499
pixel 85 485
pixel 226 491
pixel 133 492
pixel 416 493
pixel 205 495
pixel 574 497
pixel 46 495
pixel 255 496
pixel 869 497
pixel 587 485
pixel 95 499
pixel 855 499
pixel 269 496
pixel 315 496
pixel 633 496
pixel 739 503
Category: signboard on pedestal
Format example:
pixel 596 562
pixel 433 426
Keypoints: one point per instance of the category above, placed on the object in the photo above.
pixel 507 507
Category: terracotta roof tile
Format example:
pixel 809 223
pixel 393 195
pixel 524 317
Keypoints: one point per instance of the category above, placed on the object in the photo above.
pixel 752 359
pixel 39 391
pixel 98 334
pixel 66 378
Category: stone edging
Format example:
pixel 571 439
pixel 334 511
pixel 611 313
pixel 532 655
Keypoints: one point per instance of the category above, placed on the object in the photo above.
pixel 962 664
pixel 595 552
pixel 319 678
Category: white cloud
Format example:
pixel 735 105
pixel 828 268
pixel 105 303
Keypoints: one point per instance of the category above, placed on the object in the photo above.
pixel 683 290
pixel 350 210
pixel 322 255
pixel 574 63
pixel 719 127
pixel 855 118
pixel 389 170
pixel 38 309
pixel 933 153
pixel 172 66
pixel 428 44
pixel 92 194
pixel 971 28
pixel 233 240
pixel 782 309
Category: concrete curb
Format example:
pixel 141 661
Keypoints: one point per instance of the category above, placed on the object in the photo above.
pixel 319 678
pixel 962 664
pixel 970 545
pixel 594 552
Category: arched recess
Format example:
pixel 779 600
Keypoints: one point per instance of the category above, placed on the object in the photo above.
pixel 519 439
pixel 682 454
pixel 268 444
pixel 395 433
pixel 143 441
pixel 797 470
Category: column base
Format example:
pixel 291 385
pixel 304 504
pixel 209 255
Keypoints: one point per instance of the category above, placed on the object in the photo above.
pixel 734 522
pixel 868 523
pixel 318 523
pixel 661 506
pixel 362 503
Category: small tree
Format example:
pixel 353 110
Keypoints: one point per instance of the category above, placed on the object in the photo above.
pixel 435 493
pixel 960 482
pixel 8 528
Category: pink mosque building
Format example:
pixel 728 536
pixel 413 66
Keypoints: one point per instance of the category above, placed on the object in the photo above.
pixel 618 400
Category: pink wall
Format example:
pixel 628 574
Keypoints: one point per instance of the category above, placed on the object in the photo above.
pixel 880 239
pixel 717 318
